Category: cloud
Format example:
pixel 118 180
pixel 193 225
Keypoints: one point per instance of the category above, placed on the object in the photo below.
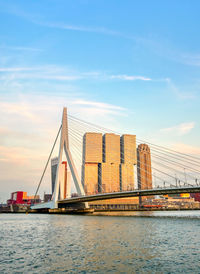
pixel 191 59
pixel 41 76
pixel 21 138
pixel 162 48
pixel 65 26
pixel 28 129
pixel 180 129
pixel 33 119
pixel 39 20
pixel 130 77
pixel 188 149
pixel 59 73
pixel 93 108
pixel 15 69
pixel 179 94
pixel 19 155
pixel 50 72
pixel 97 104
pixel 21 168
pixel 20 48
pixel 21 109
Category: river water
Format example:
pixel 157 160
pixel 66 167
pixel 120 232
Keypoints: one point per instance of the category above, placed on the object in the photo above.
pixel 160 242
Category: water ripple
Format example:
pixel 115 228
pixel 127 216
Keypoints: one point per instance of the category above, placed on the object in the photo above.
pixel 91 244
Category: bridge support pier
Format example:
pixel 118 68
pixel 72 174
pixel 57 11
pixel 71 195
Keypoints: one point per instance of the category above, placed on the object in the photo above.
pixel 80 205
pixel 140 201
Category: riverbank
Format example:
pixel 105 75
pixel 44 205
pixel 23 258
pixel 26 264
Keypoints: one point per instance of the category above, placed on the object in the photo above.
pixel 95 212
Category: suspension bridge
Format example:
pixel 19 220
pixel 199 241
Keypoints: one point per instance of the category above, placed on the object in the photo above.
pixel 172 172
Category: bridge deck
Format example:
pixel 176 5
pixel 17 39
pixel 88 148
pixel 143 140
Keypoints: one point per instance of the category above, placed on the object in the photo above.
pixel 133 193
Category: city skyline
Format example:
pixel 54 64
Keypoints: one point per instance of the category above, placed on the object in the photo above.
pixel 118 71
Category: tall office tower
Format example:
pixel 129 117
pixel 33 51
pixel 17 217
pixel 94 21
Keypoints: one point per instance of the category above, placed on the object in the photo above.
pixel 68 188
pixel 109 178
pixel 128 160
pixel 54 164
pixel 144 173
pixel 90 178
pixel 65 177
pixel 128 149
pixel 92 156
pixel 111 148
pixel 126 177
pixel 92 147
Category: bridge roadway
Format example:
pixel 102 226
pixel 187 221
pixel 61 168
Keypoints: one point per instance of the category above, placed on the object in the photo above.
pixel 104 196
pixel 133 193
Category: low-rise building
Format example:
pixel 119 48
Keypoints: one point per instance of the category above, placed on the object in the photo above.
pixel 21 198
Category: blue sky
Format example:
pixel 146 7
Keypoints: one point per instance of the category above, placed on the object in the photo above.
pixel 133 66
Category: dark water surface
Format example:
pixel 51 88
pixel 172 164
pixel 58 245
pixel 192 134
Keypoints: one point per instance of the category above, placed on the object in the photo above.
pixel 168 242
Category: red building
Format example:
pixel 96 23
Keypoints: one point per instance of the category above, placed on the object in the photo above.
pixel 16 198
pixel 196 196
pixel 21 198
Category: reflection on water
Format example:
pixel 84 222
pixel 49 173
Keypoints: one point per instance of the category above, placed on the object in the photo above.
pixel 87 244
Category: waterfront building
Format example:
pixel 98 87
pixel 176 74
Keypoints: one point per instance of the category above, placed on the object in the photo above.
pixel 128 149
pixel 108 162
pixel 92 147
pixel 92 157
pixel 128 160
pixel 196 196
pixel 111 148
pixel 126 177
pixel 168 202
pixel 21 198
pixel 64 175
pixel 47 197
pixel 144 172
pixel 109 178
pixel 67 193
pixel 109 169
pixel 90 178
pixel 54 164
pixel 130 203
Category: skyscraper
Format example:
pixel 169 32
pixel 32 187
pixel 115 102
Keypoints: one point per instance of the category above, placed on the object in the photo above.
pixel 108 162
pixel 109 169
pixel 128 149
pixel 111 148
pixel 109 177
pixel 144 173
pixel 54 164
pixel 108 165
pixel 90 178
pixel 128 160
pixel 126 177
pixel 65 176
pixel 92 147
pixel 92 157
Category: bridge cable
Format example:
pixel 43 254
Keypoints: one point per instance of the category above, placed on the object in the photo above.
pixel 178 163
pixel 153 149
pixel 108 130
pixel 47 162
pixel 153 153
pixel 74 135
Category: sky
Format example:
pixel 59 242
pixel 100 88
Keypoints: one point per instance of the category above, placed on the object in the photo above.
pixel 130 66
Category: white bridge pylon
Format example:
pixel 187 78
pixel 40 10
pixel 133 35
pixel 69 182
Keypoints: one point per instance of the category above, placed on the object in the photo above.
pixel 59 182
pixel 64 146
